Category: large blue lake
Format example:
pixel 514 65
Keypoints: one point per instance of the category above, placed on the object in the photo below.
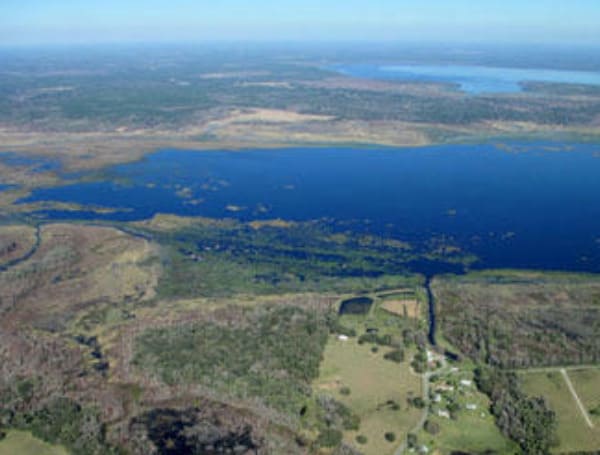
pixel 470 79
pixel 525 205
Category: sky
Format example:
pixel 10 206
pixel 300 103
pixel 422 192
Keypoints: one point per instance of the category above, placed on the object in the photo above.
pixel 83 21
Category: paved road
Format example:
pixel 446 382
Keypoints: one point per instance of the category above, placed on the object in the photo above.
pixel 425 395
pixel 576 397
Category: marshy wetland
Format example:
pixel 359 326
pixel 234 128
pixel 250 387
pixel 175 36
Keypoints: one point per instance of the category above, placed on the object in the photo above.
pixel 522 205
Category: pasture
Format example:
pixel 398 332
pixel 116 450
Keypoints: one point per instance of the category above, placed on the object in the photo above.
pixel 23 443
pixel 587 384
pixel 574 433
pixel 378 392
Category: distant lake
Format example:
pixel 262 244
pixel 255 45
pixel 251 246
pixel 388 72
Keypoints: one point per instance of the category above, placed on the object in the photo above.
pixel 470 79
pixel 523 205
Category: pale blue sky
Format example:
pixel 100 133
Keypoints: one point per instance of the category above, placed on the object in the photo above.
pixel 30 21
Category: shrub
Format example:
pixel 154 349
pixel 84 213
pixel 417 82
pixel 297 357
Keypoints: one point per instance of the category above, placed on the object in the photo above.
pixel 345 391
pixel 64 421
pixel 335 326
pixel 397 355
pixel 329 438
pixel 412 440
pixel 417 402
pixel 361 439
pixel 351 422
pixel 390 436
pixel 453 407
pixel 393 405
pixel 419 367
pixel 25 389
pixel 432 427
pixel 373 338
pixel 336 414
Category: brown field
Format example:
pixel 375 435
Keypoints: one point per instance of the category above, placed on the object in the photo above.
pixel 266 116
pixel 404 308
pixel 167 223
pixel 276 223
pixel 234 130
pixel 373 85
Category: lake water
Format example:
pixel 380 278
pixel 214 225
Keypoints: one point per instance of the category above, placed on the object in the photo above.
pixel 526 205
pixel 356 305
pixel 470 79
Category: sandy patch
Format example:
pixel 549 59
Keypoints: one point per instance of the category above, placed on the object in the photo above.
pixel 404 308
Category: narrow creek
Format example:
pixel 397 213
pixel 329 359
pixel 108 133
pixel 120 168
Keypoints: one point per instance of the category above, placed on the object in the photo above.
pixel 431 307
pixel 26 256
pixel 431 269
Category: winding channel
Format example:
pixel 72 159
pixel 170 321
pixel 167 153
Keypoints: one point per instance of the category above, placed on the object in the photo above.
pixel 431 307
pixel 26 256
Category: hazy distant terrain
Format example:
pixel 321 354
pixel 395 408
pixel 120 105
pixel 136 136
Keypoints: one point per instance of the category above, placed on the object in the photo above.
pixel 194 95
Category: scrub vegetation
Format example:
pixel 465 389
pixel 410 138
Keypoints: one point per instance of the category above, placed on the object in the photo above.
pixel 271 354
pixel 188 347
pixel 522 319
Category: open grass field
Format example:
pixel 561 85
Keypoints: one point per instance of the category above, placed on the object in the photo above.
pixel 573 432
pixel 23 443
pixel 471 433
pixel 373 382
pixel 587 384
